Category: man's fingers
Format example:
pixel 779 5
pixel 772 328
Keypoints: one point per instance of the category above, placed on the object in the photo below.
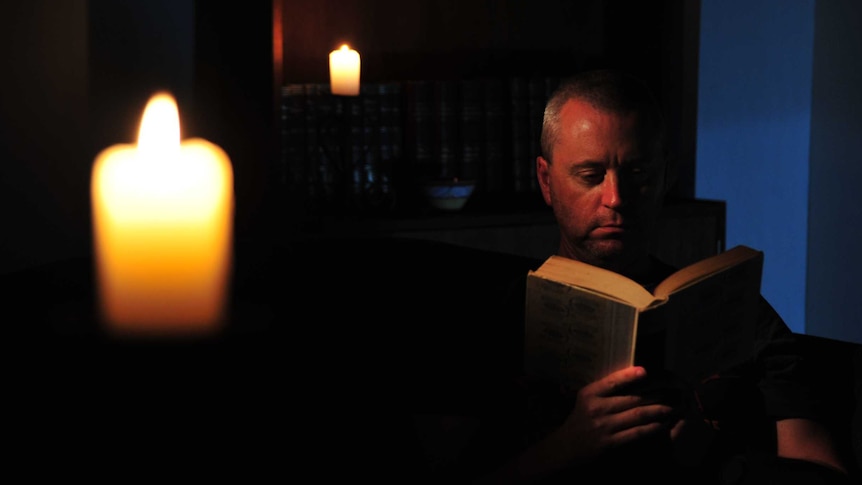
pixel 616 382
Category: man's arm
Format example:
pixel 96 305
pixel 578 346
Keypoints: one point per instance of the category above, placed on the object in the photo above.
pixel 805 439
pixel 608 413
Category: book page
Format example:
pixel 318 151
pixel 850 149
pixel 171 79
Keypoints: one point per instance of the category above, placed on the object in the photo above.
pixel 596 279
pixel 695 272
pixel 573 337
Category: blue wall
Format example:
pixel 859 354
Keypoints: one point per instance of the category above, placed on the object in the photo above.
pixel 835 200
pixel 778 138
pixel 753 132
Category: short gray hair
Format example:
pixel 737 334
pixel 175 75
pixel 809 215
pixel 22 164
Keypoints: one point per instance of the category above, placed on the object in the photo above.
pixel 607 90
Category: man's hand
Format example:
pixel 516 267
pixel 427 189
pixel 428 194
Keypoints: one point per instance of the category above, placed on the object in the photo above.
pixel 618 409
pixel 621 408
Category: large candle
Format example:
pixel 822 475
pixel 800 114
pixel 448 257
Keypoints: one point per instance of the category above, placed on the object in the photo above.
pixel 163 229
pixel 344 71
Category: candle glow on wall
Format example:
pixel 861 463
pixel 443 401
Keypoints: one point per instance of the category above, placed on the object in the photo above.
pixel 163 229
pixel 344 66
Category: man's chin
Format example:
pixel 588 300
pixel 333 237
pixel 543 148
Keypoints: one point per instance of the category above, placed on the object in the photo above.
pixel 612 254
pixel 607 249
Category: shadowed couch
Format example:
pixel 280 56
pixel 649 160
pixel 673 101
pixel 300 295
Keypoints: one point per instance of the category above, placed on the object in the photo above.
pixel 332 349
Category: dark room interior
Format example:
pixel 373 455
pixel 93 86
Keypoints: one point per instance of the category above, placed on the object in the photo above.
pixel 329 312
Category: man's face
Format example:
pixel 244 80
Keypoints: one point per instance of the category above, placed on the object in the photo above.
pixel 605 187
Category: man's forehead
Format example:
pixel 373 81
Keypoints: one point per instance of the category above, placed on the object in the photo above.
pixel 581 112
pixel 580 117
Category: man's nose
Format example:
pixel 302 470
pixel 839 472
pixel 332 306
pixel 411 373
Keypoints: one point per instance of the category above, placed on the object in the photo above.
pixel 611 191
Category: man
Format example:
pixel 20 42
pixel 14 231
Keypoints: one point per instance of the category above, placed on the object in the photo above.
pixel 604 173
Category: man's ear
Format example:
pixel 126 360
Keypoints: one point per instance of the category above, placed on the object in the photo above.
pixel 543 174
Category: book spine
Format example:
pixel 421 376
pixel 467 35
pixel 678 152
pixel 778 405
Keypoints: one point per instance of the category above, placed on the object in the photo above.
pixel 375 183
pixel 395 156
pixel 419 128
pixel 318 169
pixel 495 178
pixel 446 121
pixel 391 129
pixel 355 159
pixel 519 134
pixel 471 131
pixel 293 173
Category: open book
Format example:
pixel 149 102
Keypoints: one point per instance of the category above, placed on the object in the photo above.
pixel 583 322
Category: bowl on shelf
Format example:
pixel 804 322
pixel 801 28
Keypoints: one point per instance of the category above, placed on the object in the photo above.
pixel 449 194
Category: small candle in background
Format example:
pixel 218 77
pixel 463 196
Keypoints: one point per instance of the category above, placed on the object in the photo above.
pixel 163 229
pixel 344 71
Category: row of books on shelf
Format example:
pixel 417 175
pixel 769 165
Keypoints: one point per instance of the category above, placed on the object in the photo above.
pixel 377 149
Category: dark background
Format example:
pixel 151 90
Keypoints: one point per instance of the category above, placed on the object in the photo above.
pixel 76 77
pixel 84 70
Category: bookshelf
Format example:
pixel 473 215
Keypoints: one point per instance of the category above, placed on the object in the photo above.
pixel 371 154
pixel 467 84
pixel 506 53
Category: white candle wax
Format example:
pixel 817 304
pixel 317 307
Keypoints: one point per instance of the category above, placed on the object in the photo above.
pixel 163 229
pixel 344 71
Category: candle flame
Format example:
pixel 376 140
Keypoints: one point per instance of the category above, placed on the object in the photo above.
pixel 159 136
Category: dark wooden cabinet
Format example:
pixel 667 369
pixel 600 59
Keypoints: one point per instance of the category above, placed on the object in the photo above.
pixel 688 230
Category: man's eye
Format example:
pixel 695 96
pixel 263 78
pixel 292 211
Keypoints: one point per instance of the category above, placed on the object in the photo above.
pixel 592 178
pixel 637 174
